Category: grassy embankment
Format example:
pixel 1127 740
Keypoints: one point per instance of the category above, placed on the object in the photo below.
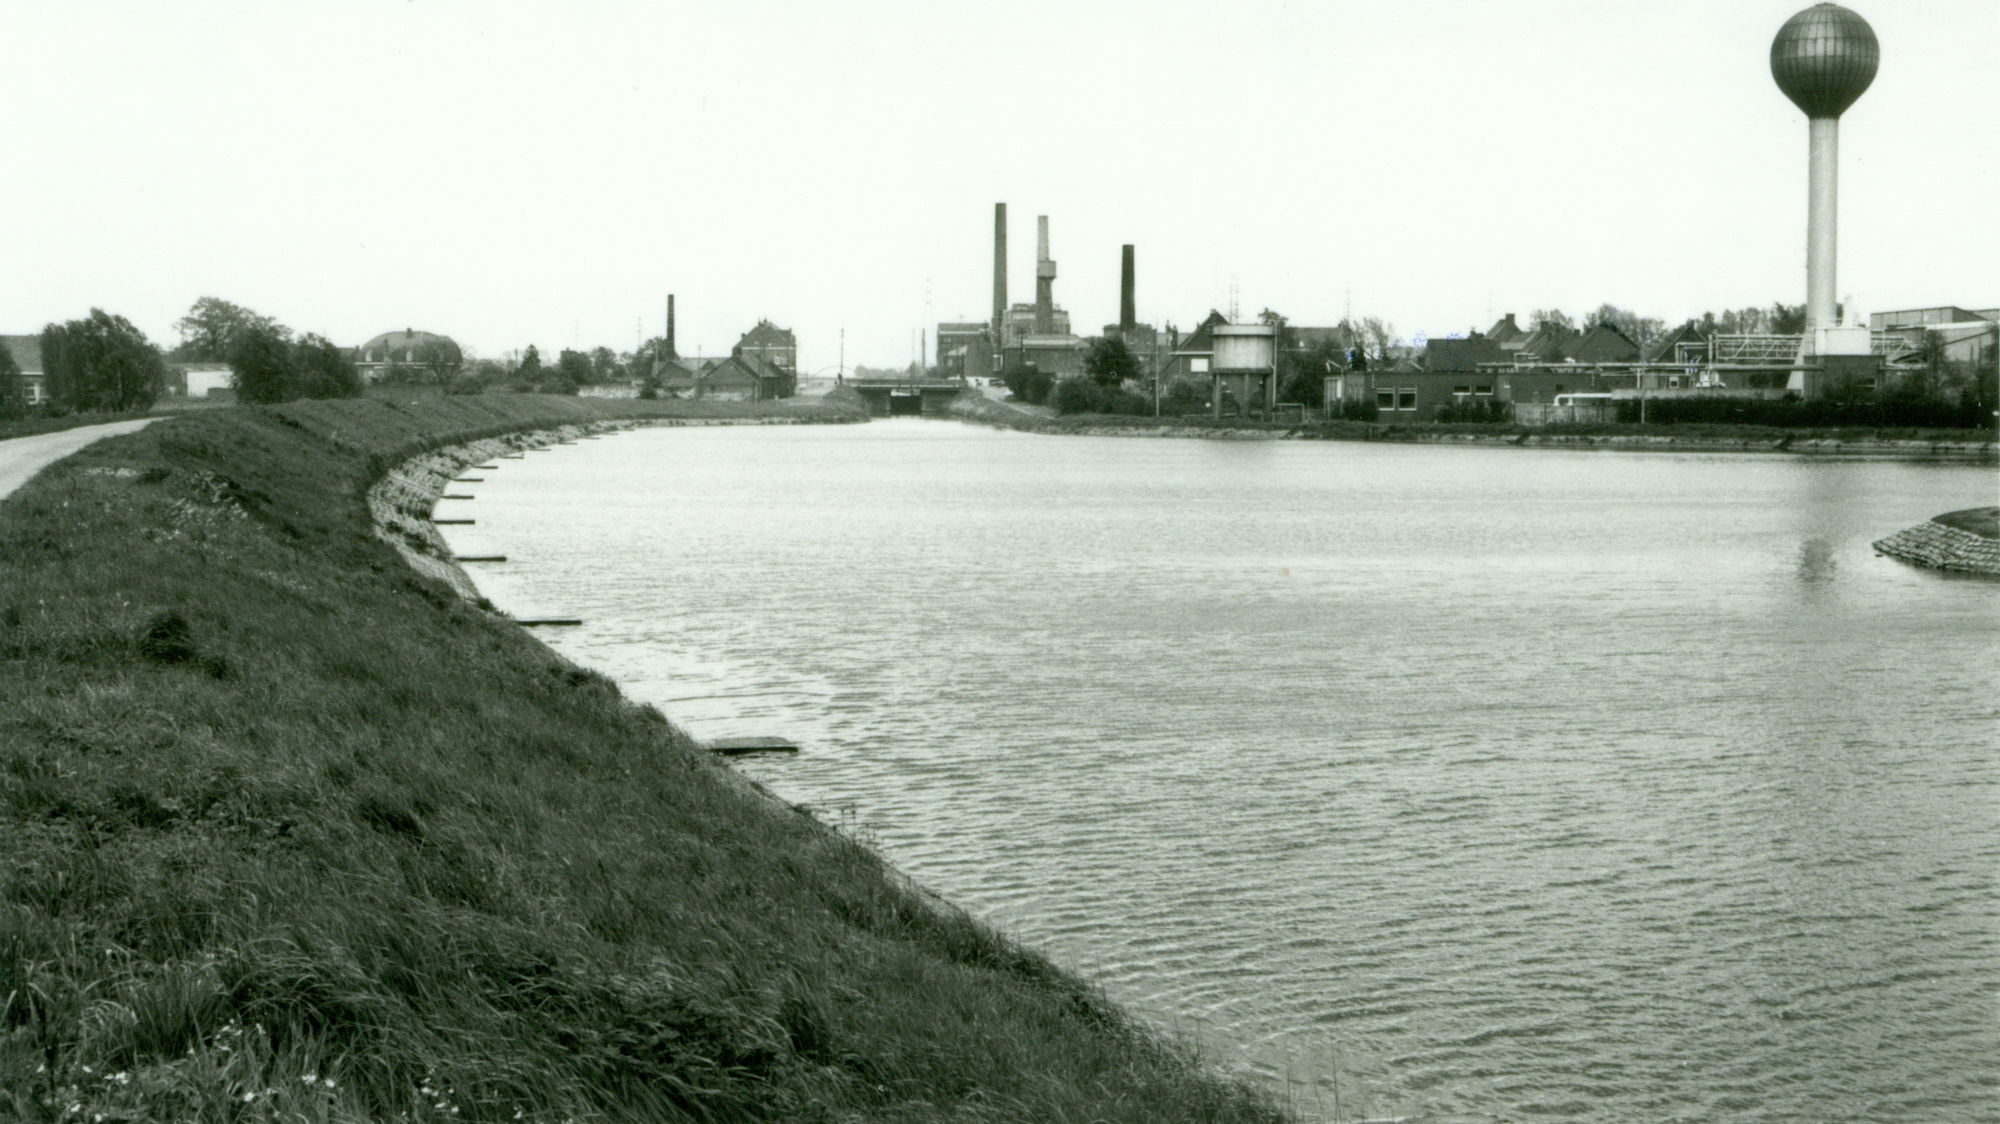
pixel 289 833
pixel 1981 521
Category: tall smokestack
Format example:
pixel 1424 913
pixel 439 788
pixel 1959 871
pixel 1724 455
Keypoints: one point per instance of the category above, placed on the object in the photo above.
pixel 1045 281
pixel 1128 318
pixel 671 353
pixel 999 274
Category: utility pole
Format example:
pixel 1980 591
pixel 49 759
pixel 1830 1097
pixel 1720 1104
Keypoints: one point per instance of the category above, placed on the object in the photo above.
pixel 1642 372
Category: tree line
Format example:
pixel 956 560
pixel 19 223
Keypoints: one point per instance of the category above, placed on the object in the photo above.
pixel 100 363
pixel 267 364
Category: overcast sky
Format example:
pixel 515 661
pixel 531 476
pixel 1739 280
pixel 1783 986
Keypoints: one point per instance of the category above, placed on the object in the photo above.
pixel 509 173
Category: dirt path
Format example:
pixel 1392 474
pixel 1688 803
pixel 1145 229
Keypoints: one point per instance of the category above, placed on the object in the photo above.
pixel 22 457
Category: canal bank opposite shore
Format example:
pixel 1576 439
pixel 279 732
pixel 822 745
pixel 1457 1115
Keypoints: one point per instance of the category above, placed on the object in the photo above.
pixel 1974 448
pixel 292 826
pixel 1965 542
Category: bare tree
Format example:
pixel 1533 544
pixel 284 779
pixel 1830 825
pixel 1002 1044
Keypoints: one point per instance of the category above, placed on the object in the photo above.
pixel 440 359
pixel 1551 318
pixel 1381 335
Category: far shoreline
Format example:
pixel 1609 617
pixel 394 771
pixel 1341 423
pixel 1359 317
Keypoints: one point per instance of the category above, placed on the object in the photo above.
pixel 1818 444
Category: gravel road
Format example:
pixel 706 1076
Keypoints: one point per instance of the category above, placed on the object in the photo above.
pixel 22 457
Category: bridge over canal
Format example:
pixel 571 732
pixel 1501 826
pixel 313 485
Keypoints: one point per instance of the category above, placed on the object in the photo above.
pixel 888 398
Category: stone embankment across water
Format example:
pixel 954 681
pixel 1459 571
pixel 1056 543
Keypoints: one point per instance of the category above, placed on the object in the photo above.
pixel 986 411
pixel 1965 542
pixel 401 503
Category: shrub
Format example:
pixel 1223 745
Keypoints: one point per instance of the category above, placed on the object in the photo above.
pixel 1079 394
pixel 1075 396
pixel 1029 384
pixel 13 392
pixel 260 363
pixel 1109 362
pixel 1184 396
pixel 1894 409
pixel 1354 409
pixel 1307 387
pixel 322 370
pixel 1479 411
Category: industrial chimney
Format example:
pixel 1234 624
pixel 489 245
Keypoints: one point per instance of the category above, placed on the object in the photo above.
pixel 999 276
pixel 1128 318
pixel 1045 281
pixel 671 353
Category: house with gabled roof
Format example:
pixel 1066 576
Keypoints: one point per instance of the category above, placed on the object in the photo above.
pixel 732 380
pixel 1603 343
pixel 408 348
pixel 771 344
pixel 1461 355
pixel 681 377
pixel 1669 348
pixel 1189 357
pixel 1547 344
pixel 773 381
pixel 27 353
pixel 1507 335
pixel 736 378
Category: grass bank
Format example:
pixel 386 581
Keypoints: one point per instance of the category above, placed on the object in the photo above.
pixel 36 424
pixel 289 832
pixel 1981 521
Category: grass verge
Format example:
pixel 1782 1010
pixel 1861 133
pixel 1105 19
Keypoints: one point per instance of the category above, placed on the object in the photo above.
pixel 1981 521
pixel 287 832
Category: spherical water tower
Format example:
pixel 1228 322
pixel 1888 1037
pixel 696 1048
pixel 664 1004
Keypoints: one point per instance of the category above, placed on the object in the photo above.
pixel 1823 59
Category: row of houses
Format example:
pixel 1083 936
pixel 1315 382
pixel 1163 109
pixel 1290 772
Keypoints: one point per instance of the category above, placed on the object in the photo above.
pixel 1551 366
pixel 764 364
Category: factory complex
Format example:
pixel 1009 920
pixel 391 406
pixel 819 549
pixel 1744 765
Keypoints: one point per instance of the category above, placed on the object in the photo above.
pixel 1823 59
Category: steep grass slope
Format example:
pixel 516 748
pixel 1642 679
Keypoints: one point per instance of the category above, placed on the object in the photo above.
pixel 289 833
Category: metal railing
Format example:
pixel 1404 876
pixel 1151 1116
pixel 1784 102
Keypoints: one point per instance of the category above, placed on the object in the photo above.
pixel 1756 348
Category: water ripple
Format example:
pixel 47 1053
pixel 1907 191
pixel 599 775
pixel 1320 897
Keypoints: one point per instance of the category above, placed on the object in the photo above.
pixel 1509 784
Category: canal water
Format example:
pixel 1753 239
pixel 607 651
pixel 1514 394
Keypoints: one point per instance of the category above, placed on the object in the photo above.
pixel 1497 783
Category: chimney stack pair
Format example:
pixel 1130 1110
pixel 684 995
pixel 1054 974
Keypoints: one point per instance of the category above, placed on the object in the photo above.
pixel 1045 277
